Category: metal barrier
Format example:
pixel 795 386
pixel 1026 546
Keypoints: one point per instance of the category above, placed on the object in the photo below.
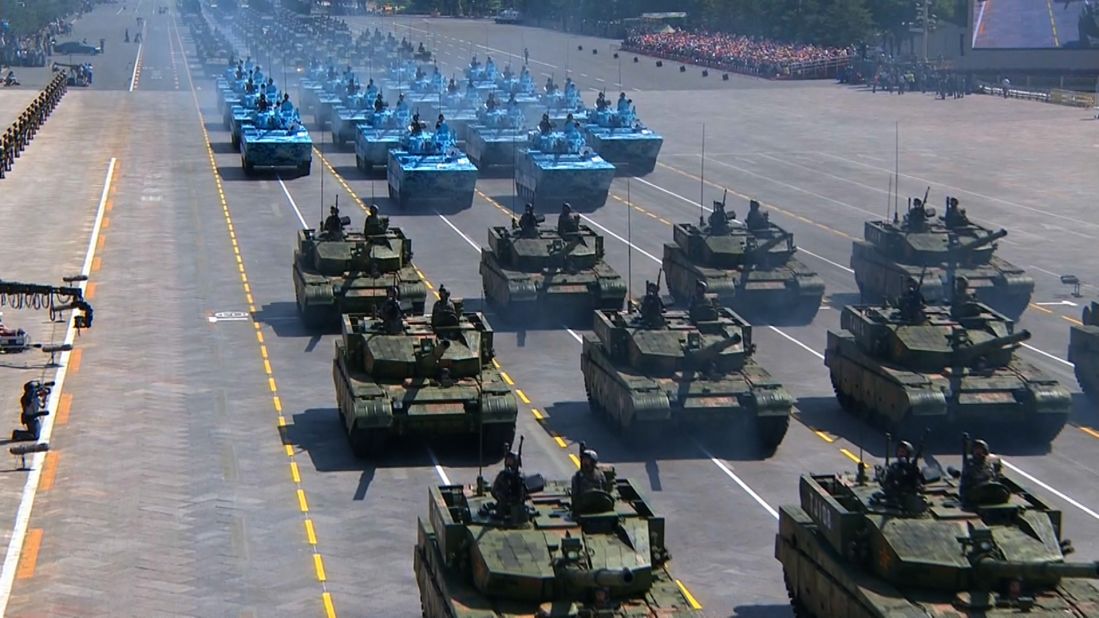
pixel 1056 96
pixel 15 139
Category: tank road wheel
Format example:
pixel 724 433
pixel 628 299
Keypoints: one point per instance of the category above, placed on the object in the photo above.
pixel 847 402
pixel 367 443
pixel 597 408
pixel 800 611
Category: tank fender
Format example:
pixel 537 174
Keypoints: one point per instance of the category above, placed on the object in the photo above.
pixel 771 401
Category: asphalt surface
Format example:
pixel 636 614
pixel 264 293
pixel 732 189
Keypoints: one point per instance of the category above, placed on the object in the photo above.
pixel 1025 24
pixel 199 468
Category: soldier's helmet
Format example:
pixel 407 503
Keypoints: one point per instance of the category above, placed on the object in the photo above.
pixel 566 208
pixel 980 448
pixel 904 449
pixel 589 454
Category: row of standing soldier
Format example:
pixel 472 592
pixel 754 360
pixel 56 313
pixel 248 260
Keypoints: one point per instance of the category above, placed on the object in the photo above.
pixel 15 139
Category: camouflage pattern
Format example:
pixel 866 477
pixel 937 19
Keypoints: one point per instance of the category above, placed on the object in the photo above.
pixel 495 140
pixel 421 380
pixel 559 167
pixel 352 274
pixel 920 245
pixel 382 133
pixel 851 549
pixel 619 137
pixel 547 559
pixel 429 169
pixel 562 102
pixel 911 366
pixel 696 367
pixel 276 141
pixel 752 270
pixel 461 110
pixel 1083 350
pixel 563 277
pixel 423 95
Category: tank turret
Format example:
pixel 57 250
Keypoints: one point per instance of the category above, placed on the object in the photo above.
pixel 477 558
pixel 531 269
pixel 893 252
pixel 910 365
pixel 940 557
pixel 398 375
pixel 751 268
pixel 655 367
pixel 338 271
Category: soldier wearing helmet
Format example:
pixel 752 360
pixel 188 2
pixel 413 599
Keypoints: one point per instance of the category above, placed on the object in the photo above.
pixel 391 311
pixel 507 487
pixel 567 223
pixel 902 477
pixel 589 477
pixel 980 468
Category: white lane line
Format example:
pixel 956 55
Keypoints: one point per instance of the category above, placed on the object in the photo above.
pixel 671 193
pixel 1048 355
pixel 824 259
pixel 30 487
pixel 293 204
pixel 438 468
pixel 798 343
pixel 628 243
pixel 1050 489
pixel 137 61
pixel 460 233
pixel 736 479
pixel 575 336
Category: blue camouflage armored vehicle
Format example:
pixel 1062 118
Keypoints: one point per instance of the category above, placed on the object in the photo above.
pixel 424 93
pixel 531 270
pixel 522 89
pixel 482 76
pixel 243 113
pixel 558 166
pixel 493 143
pixel 460 109
pixel 559 103
pixel 276 139
pixel 383 133
pixel 357 109
pixel 428 168
pixel 619 137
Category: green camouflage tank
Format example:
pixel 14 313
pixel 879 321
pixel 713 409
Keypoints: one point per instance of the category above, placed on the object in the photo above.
pixel 649 368
pixel 426 375
pixel 938 249
pixel 546 554
pixel 1083 350
pixel 912 365
pixel 531 269
pixel 350 272
pixel 750 265
pixel 861 548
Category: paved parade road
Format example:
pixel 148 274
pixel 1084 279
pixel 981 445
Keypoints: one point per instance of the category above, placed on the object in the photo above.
pixel 197 465
pixel 1025 24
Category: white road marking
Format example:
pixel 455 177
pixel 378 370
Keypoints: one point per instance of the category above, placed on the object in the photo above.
pixel 137 60
pixel 977 26
pixel 628 243
pixel 824 259
pixel 30 487
pixel 460 233
pixel 438 468
pixel 575 335
pixel 736 479
pixel 1050 489
pixel 671 193
pixel 798 343
pixel 293 204
pixel 1048 355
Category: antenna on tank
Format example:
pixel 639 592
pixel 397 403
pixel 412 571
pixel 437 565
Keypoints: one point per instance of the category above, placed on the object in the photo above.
pixel 896 169
pixel 702 177
pixel 629 242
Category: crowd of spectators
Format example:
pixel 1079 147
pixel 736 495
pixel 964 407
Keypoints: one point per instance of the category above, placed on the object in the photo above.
pixel 30 49
pixel 735 53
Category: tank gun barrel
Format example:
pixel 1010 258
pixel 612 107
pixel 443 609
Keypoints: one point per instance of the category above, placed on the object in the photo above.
pixel 1037 570
pixel 597 578
pixel 995 343
pixel 769 244
pixel 977 243
pixel 708 354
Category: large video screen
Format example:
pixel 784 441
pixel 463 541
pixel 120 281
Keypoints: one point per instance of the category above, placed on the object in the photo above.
pixel 1035 24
